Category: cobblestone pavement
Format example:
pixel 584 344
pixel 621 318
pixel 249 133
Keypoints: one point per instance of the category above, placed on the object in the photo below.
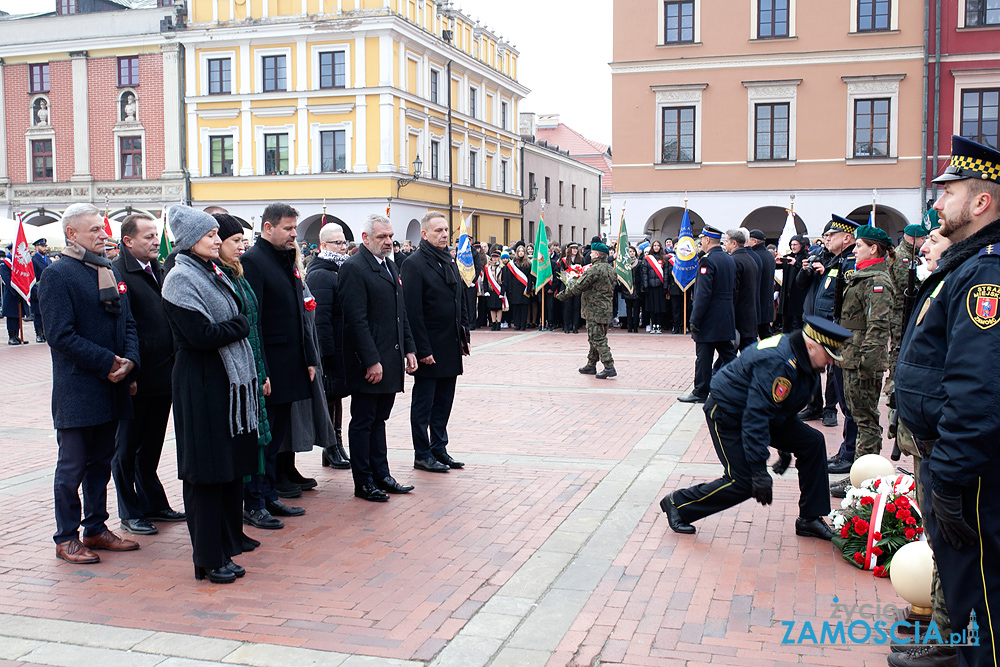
pixel 547 549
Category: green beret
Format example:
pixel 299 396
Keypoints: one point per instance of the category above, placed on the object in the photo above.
pixel 915 230
pixel 599 247
pixel 930 220
pixel 872 234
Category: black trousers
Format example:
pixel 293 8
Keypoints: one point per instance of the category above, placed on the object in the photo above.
pixel 571 313
pixel 764 330
pixel 850 426
pixel 792 436
pixel 84 459
pixel 632 314
pixel 470 304
pixel 746 342
pixel 262 488
pixel 13 327
pixel 677 311
pixel 137 456
pixel 831 390
pixel 215 521
pixel 366 436
pixel 704 354
pixel 430 408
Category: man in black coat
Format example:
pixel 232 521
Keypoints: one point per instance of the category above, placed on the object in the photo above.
pixel 92 338
pixel 378 348
pixel 713 319
pixel 14 306
pixel 139 441
pixel 270 269
pixel 436 310
pixel 39 261
pixel 758 245
pixel 745 297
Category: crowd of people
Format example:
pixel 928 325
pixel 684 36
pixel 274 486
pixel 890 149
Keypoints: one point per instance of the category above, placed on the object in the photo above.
pixel 254 348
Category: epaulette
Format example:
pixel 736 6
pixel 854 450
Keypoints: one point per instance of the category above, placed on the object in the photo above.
pixel 991 249
pixel 792 362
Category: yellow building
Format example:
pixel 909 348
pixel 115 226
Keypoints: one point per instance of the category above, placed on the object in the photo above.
pixel 302 101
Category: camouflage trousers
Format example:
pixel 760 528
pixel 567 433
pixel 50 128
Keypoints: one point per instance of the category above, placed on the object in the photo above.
pixel 862 400
pixel 597 336
pixel 940 613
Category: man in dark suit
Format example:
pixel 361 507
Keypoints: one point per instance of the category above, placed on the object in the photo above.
pixel 745 299
pixel 378 348
pixel 758 245
pixel 39 261
pixel 92 338
pixel 139 442
pixel 713 320
pixel 439 321
pixel 270 269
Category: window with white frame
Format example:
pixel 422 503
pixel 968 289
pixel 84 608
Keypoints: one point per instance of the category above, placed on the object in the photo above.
pixel 435 86
pixel 874 16
pixel 435 160
pixel 276 154
pixel 678 20
pixel 977 105
pixel 678 127
pixel 503 115
pixel 503 175
pixel 473 101
pixel 216 69
pixel 773 19
pixel 130 156
pixel 873 117
pixel 981 13
pixel 221 156
pixel 333 150
pixel 332 69
pixel 771 121
pixel 42 167
pixel 473 161
pixel 274 75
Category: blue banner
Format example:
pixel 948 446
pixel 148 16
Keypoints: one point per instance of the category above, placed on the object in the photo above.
pixel 686 255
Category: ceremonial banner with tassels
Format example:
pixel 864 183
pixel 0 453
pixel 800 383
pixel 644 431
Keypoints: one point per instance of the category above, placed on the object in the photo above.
pixel 686 260
pixel 541 266
pixel 463 256
pixel 622 270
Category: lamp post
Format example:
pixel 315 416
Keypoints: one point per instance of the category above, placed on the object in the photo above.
pixel 418 164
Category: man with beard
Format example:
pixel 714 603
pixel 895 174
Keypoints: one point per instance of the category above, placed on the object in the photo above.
pixel 947 391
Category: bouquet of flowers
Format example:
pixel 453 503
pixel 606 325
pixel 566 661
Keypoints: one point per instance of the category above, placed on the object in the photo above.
pixel 572 273
pixel 875 520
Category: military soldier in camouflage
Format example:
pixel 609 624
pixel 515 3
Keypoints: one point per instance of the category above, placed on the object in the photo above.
pixel 867 311
pixel 596 288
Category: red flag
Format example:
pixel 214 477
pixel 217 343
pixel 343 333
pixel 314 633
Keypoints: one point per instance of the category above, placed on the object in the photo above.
pixel 22 272
pixel 107 226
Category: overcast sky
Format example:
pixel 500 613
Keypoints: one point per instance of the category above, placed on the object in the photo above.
pixel 565 50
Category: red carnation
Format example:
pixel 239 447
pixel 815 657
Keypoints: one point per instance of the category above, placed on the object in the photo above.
pixel 880 571
pixel 859 559
pixel 310 303
pixel 867 500
pixel 877 551
pixel 920 530
pixel 877 535
pixel 855 518
pixel 845 531
pixel 901 514
pixel 890 508
pixel 877 482
pixel 909 533
pixel 903 501
pixel 861 527
pixel 910 521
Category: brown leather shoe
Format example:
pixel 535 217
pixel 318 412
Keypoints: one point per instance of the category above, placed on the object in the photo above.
pixel 73 551
pixel 110 541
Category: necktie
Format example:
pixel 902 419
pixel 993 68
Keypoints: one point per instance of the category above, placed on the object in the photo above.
pixel 386 265
pixel 149 270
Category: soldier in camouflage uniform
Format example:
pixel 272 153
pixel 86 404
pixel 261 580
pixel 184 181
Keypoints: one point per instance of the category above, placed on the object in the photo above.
pixel 867 312
pixel 596 288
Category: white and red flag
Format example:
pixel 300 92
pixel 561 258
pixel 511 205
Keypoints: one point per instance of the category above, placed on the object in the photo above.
pixel 22 273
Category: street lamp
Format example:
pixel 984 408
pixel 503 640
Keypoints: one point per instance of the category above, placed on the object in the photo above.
pixel 418 165
pixel 531 197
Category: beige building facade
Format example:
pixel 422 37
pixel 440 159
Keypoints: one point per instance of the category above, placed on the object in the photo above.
pixel 737 105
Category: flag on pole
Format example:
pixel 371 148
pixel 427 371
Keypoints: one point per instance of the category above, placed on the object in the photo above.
pixel 463 256
pixel 785 240
pixel 107 223
pixel 622 269
pixel 541 266
pixel 686 260
pixel 22 272
pixel 871 216
pixel 165 246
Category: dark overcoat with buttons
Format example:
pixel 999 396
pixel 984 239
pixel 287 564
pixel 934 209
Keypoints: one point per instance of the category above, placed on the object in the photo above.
pixel 436 312
pixel 375 326
pixel 713 318
pixel 156 346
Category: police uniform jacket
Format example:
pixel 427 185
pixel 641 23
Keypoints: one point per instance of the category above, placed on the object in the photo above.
pixel 745 300
pixel 768 384
pixel 39 262
pixel 376 330
pixel 11 299
pixel 948 372
pixel 826 293
pixel 712 316
pixel 156 346
pixel 766 293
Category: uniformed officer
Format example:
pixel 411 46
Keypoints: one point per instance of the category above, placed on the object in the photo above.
pixel 713 317
pixel 906 256
pixel 754 404
pixel 596 288
pixel 40 261
pixel 948 391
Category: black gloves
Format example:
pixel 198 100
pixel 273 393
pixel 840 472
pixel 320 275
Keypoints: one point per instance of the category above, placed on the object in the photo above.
pixel 782 464
pixel 954 529
pixel 761 487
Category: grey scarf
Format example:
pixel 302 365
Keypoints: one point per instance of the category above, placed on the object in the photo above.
pixel 334 257
pixel 202 287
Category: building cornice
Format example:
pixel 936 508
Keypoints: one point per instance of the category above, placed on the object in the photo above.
pixel 853 56
pixel 559 157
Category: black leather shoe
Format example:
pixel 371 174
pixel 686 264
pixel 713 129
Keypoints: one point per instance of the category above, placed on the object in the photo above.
pixel 839 489
pixel 692 398
pixel 234 568
pixel 13 340
pixel 166 515
pixel 829 418
pixel 677 524
pixel 371 493
pixel 287 489
pixel 448 461
pixel 299 480
pixel 390 485
pixel 261 519
pixel 139 527
pixel 839 466
pixel 278 508
pixel 814 527
pixel 925 656
pixel 248 543
pixel 608 372
pixel 220 575
pixel 430 464
pixel 810 414
pixel 588 370
pixel 332 459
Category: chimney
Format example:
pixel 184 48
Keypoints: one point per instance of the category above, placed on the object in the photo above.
pixel 527 124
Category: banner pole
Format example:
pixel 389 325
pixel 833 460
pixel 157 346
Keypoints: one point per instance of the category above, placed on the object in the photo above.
pixel 20 319
pixel 684 295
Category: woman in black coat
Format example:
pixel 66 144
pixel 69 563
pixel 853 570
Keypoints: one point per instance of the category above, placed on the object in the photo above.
pixel 791 299
pixel 572 264
pixel 518 294
pixel 654 286
pixel 215 395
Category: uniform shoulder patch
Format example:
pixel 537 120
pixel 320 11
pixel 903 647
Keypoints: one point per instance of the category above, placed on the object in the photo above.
pixel 991 249
pixel 704 269
pixel 982 302
pixel 877 289
pixel 769 342
pixel 780 389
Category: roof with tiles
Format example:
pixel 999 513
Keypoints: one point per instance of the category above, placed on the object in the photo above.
pixel 580 148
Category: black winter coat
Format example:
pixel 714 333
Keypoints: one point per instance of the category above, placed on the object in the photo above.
pixel 766 292
pixel 322 278
pixel 439 321
pixel 276 282
pixel 745 299
pixel 375 326
pixel 712 316
pixel 156 345
pixel 206 452
pixel 649 278
pixel 793 297
pixel 514 289
pixel 39 263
